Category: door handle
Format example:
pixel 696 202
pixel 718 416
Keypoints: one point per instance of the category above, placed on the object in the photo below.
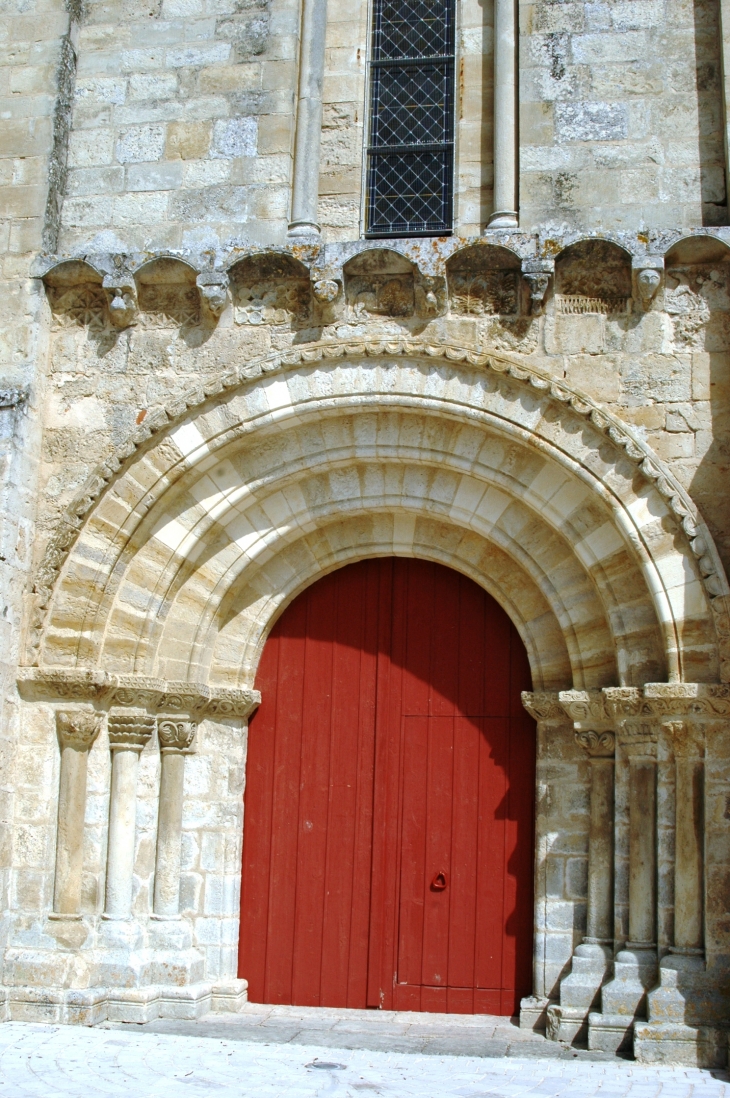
pixel 439 882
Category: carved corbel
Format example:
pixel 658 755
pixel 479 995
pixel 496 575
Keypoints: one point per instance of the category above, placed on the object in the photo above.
pixel 121 292
pixel 326 290
pixel 537 273
pixel 430 294
pixel 213 289
pixel 648 271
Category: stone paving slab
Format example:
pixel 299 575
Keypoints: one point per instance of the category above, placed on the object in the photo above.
pixel 388 1031
pixel 38 1061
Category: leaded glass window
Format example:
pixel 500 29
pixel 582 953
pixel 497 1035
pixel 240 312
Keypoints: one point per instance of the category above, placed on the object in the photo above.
pixel 410 168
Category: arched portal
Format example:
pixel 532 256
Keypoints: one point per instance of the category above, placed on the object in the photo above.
pixel 388 848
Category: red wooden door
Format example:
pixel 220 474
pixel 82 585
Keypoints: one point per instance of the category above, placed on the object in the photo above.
pixel 388 838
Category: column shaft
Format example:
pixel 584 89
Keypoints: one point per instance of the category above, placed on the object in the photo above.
pixel 689 860
pixel 505 116
pixel 122 818
pixel 642 851
pixel 76 733
pixel 305 181
pixel 600 852
pixel 129 731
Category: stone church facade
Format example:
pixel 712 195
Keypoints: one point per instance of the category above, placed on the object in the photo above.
pixel 219 383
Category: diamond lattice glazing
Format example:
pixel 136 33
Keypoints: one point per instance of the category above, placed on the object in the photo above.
pixel 410 164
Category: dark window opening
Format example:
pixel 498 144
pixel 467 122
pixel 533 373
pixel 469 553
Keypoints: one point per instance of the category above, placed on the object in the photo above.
pixel 410 172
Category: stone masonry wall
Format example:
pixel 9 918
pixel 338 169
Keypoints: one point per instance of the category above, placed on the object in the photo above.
pixel 621 121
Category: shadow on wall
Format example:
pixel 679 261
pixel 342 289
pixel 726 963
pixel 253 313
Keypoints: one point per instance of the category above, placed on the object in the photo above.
pixel 709 92
pixel 697 299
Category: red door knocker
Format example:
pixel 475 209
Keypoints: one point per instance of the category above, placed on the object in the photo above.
pixel 439 883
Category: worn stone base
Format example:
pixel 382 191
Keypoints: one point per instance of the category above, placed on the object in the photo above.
pixel 533 1013
pixel 610 1033
pixel 568 1025
pixel 701 1046
pixel 89 1006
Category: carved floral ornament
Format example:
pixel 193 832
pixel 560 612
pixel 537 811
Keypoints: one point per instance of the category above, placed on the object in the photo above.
pixel 137 693
pixel 682 711
pixel 564 405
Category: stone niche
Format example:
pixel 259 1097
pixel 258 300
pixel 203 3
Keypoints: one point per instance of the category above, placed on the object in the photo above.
pixel 271 289
pixel 593 276
pixel 697 294
pixel 76 297
pixel 168 297
pixel 484 281
pixel 379 282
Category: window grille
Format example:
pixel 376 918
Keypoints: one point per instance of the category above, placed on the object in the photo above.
pixel 411 151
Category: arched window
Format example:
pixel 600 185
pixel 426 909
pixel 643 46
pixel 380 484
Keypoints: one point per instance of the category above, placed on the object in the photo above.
pixel 410 169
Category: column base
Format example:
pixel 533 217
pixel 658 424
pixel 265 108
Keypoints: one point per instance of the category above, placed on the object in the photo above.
pixel 690 1046
pixel 623 1000
pixel 89 1006
pixel 533 1013
pixel 304 232
pixel 503 219
pixel 579 994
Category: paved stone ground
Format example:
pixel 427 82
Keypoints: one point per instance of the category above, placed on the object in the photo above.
pixel 38 1061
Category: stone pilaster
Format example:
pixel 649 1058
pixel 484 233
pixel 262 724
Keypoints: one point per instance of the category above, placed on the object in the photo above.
pixel 551 949
pixel 76 729
pixel 129 731
pixel 177 736
pixel 593 959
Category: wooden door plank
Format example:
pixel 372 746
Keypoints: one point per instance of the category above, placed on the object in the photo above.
pixel 437 794
pixel 468 735
pixel 414 844
pixel 313 795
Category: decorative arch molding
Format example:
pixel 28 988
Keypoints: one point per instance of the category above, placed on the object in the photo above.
pixel 181 550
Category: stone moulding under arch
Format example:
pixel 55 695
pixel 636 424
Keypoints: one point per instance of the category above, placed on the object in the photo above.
pixel 699 562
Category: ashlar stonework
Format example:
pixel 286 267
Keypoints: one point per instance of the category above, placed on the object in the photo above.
pixel 217 388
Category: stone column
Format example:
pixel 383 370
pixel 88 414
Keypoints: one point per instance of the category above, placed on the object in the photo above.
pixel 308 136
pixel 592 960
pixel 76 730
pixel 176 741
pixel 129 731
pixel 623 999
pixel 689 863
pixel 505 116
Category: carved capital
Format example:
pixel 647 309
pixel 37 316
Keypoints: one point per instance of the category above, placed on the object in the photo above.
pixel 543 705
pixel 176 735
pixel 639 738
pixel 599 745
pixel 585 707
pixel 77 728
pixel 129 728
pixel 688 741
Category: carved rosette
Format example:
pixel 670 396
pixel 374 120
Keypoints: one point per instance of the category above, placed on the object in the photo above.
pixel 77 728
pixel 176 735
pixel 599 745
pixel 129 729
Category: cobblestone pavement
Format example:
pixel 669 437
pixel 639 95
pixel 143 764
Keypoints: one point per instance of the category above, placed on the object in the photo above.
pixel 38 1061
